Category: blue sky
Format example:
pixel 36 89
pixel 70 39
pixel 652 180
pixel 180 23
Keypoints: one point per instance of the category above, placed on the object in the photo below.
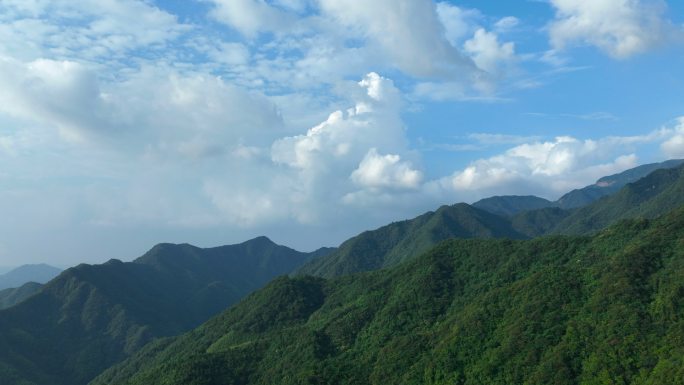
pixel 125 123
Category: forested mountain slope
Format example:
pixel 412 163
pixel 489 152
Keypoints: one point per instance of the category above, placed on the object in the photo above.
pixel 93 316
pixel 11 297
pixel 605 309
pixel 649 197
pixel 399 241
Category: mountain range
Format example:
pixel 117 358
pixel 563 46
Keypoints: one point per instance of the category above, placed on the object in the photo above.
pixel 16 277
pixel 651 196
pixel 509 205
pixel 405 302
pixel 605 309
pixel 92 316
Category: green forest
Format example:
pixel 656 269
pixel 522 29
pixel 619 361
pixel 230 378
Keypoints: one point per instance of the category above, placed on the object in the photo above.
pixel 605 309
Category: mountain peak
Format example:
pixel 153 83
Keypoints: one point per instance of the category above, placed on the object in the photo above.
pixel 260 240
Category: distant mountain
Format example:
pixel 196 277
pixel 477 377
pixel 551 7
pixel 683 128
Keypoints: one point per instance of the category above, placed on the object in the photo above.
pixel 398 241
pixel 11 297
pixel 611 184
pixel 508 205
pixel 93 316
pixel 389 245
pixel 41 273
pixel 649 197
pixel 561 310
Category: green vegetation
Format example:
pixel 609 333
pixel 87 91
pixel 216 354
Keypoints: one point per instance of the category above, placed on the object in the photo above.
pixel 91 317
pixel 11 297
pixel 649 197
pixel 605 309
pixel 509 205
pixel 609 185
pixel 399 241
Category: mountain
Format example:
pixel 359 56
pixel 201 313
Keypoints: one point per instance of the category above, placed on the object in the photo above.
pixel 508 205
pixel 394 243
pixel 649 197
pixel 11 297
pixel 561 310
pixel 92 316
pixel 41 273
pixel 611 184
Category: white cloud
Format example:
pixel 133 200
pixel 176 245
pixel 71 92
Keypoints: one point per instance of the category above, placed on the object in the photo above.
pixel 346 136
pixel 494 139
pixel 251 17
pixel 408 31
pixel 506 23
pixel 155 101
pixel 379 171
pixel 458 22
pixel 546 168
pixel 60 93
pixel 621 28
pixel 673 147
pixel 96 30
pixel 488 53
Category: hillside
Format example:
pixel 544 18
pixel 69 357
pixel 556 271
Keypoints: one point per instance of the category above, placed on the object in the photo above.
pixel 11 297
pixel 508 205
pixel 649 197
pixel 605 309
pixel 611 184
pixel 40 273
pixel 511 205
pixel 91 317
pixel 394 243
pixel 390 245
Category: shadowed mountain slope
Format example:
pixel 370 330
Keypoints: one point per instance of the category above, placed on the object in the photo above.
pixel 11 297
pixel 508 205
pixel 93 316
pixel 554 310
pixel 398 241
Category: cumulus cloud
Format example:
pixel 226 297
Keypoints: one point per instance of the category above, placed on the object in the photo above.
pixel 377 171
pixel 458 22
pixel 488 53
pixel 63 93
pixel 155 101
pixel 673 147
pixel 549 168
pixel 346 136
pixel 621 28
pixel 408 31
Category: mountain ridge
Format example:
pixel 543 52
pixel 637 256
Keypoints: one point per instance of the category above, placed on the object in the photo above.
pixel 556 309
pixel 93 316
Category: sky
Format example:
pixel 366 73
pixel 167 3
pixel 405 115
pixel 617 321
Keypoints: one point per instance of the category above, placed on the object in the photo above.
pixel 126 123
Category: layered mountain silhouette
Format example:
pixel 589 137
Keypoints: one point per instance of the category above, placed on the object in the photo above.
pixel 491 307
pixel 554 310
pixel 648 197
pixel 509 205
pixel 40 273
pixel 12 296
pixel 396 242
pixel 93 316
